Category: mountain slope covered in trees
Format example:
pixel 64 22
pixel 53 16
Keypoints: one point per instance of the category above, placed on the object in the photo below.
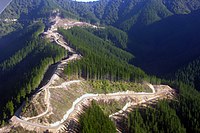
pixel 21 73
pixel 160 32
pixel 190 74
pixel 166 45
pixel 163 36
pixel 179 115
pixel 94 119
pixel 101 59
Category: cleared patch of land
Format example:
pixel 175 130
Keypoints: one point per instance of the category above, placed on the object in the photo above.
pixel 58 104
pixel 35 106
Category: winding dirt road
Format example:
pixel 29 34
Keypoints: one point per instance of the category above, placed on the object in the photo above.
pixel 76 107
pixel 53 35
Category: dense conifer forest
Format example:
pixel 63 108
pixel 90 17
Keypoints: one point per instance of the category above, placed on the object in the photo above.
pixel 101 59
pixel 118 37
pixel 20 79
pixel 161 118
pixel 179 115
pixel 171 52
pixel 190 74
pixel 95 121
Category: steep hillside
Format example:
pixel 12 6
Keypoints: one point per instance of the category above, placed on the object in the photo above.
pixel 22 71
pixel 118 37
pixel 163 34
pixel 21 13
pixel 126 14
pixel 190 74
pixel 164 46
pixel 102 60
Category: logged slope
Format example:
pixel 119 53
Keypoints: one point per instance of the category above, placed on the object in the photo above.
pixel 163 34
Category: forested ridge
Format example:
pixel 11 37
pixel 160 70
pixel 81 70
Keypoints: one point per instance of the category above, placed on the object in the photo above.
pixel 179 115
pixel 95 121
pixel 31 33
pixel 25 12
pixel 174 40
pixel 190 74
pixel 125 14
pixel 101 59
pixel 161 118
pixel 187 107
pixel 22 73
pixel 137 18
pixel 118 37
pixel 25 56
